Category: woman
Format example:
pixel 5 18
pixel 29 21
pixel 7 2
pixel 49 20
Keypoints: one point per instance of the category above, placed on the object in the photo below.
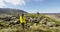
pixel 22 20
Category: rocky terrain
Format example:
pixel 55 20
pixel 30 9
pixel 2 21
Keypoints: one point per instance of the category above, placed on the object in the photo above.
pixel 40 22
pixel 35 23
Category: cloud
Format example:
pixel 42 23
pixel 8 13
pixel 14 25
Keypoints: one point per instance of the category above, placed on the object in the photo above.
pixel 12 2
pixel 27 0
pixel 2 3
pixel 38 0
pixel 16 2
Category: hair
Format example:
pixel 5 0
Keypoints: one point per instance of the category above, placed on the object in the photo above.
pixel 22 14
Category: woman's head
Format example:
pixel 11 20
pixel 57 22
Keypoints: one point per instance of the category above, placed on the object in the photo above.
pixel 22 14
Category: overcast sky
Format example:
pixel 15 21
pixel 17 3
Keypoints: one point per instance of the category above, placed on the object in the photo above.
pixel 33 6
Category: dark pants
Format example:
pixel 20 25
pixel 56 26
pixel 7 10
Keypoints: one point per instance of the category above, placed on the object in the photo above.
pixel 22 25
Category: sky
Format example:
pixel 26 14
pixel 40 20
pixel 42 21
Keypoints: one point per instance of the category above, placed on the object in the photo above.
pixel 33 6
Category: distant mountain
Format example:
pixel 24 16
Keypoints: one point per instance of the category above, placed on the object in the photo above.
pixel 50 13
pixel 11 11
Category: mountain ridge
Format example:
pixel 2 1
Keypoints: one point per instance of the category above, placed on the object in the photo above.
pixel 11 11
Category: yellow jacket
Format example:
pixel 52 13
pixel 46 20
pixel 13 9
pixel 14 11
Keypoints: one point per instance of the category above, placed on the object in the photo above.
pixel 22 20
